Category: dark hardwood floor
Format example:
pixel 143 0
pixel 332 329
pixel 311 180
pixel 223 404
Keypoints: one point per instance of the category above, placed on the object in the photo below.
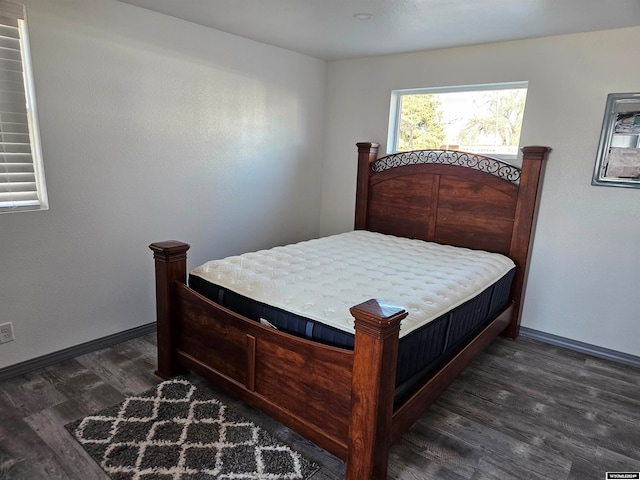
pixel 523 410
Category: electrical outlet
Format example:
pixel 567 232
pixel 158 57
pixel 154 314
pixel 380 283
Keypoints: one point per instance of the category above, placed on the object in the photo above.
pixel 6 332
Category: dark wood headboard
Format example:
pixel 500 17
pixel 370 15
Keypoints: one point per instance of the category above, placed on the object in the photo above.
pixel 454 198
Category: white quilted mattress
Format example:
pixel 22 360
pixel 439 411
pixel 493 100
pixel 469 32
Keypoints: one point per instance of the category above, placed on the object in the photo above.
pixel 321 279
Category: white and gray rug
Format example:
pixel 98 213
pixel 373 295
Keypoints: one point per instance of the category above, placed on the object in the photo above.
pixel 176 431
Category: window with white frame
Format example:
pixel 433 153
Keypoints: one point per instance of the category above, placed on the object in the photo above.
pixel 484 119
pixel 22 185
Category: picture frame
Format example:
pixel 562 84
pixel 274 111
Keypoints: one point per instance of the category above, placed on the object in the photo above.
pixel 618 157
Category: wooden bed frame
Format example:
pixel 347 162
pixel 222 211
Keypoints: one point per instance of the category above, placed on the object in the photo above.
pixel 342 400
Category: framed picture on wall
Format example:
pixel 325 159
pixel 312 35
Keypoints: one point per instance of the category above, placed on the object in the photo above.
pixel 618 160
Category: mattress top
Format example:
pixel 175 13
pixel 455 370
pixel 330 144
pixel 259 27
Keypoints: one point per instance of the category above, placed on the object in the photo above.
pixel 322 279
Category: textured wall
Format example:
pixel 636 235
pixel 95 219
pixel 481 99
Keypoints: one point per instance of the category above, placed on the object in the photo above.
pixel 152 128
pixel 585 269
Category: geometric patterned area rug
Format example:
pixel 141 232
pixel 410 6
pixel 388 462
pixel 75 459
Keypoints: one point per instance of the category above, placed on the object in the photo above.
pixel 176 431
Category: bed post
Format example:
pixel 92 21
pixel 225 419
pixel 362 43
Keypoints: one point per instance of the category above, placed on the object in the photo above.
pixel 531 173
pixel 367 153
pixel 171 267
pixel 377 327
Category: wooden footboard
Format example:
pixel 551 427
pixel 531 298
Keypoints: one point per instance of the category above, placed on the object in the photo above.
pixel 341 400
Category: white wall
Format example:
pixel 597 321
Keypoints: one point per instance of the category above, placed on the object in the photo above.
pixel 152 129
pixel 585 267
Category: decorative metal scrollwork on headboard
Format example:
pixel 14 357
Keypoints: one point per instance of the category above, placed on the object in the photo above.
pixel 489 165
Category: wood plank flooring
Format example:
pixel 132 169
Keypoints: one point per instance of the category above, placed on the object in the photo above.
pixel 523 410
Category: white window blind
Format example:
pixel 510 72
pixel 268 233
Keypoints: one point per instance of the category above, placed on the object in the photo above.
pixel 21 176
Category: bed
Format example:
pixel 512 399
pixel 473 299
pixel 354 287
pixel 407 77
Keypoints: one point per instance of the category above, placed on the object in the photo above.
pixel 356 397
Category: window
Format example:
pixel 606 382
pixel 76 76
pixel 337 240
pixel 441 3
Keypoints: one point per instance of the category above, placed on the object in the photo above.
pixel 22 184
pixel 484 119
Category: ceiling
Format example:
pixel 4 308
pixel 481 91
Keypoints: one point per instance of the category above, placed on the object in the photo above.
pixel 327 29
